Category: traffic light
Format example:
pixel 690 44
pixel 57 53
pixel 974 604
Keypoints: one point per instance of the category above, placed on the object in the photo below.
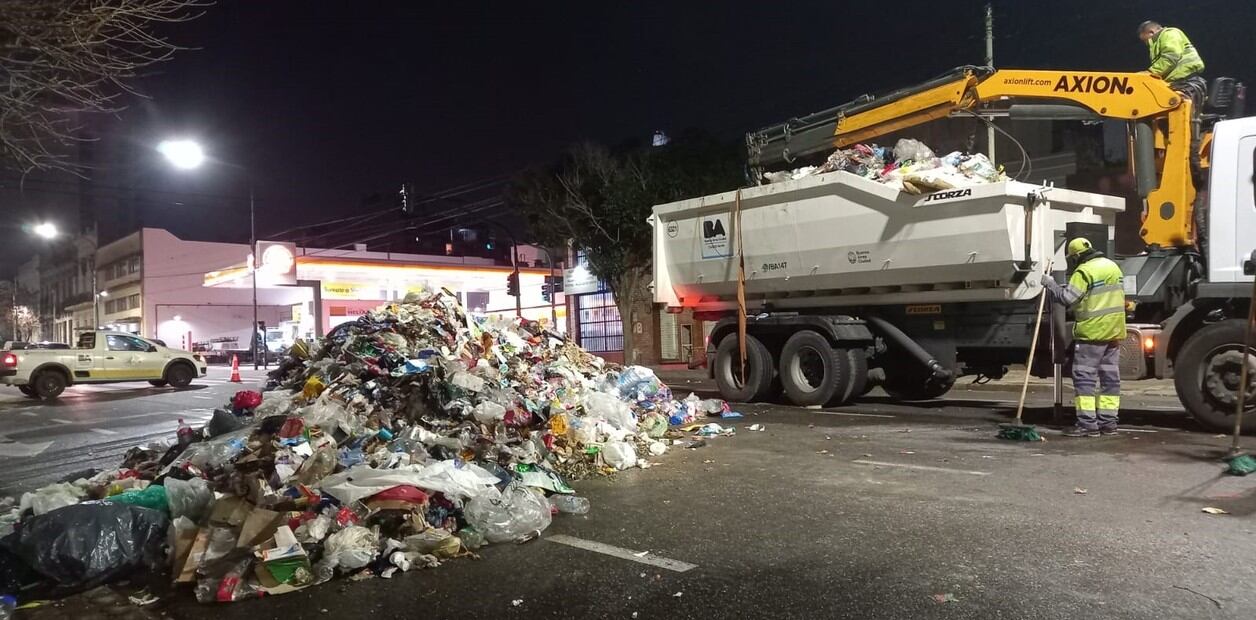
pixel 545 291
pixel 512 284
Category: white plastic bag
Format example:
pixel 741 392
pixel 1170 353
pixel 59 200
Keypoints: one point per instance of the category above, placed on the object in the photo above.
pixel 913 150
pixel 188 498
pixel 351 548
pixel 602 406
pixel 489 412
pixel 620 454
pixel 512 515
pixel 49 498
pixel 275 402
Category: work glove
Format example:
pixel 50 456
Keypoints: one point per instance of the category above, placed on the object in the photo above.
pixel 1050 284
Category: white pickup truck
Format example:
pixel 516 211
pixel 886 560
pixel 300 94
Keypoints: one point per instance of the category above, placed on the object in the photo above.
pixel 99 357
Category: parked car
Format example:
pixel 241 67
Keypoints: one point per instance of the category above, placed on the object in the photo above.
pixel 98 357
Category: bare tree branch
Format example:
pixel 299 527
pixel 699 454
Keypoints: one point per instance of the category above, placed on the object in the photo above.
pixel 62 61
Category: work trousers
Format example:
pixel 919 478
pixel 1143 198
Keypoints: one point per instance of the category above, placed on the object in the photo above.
pixel 1097 382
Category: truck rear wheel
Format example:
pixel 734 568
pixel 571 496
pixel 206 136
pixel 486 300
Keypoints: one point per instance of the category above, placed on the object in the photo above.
pixel 815 373
pixel 759 371
pixel 1206 375
pixel 28 390
pixel 49 384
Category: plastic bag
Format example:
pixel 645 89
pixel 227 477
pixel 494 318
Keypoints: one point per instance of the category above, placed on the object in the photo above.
pixel 223 422
pixel 153 496
pixel 227 580
pixel 603 406
pixel 351 548
pixel 318 466
pixel 489 412
pixel 246 400
pixel 49 498
pixel 515 513
pixel 278 402
pixel 638 382
pixel 314 530
pixel 82 546
pixel 620 454
pixel 908 149
pixel 188 498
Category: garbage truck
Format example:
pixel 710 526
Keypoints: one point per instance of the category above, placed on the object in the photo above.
pixel 840 283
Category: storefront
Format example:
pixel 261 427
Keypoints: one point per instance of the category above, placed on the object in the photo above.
pixel 341 287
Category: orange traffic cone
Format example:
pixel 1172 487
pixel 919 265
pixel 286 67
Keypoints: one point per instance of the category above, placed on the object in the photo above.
pixel 235 370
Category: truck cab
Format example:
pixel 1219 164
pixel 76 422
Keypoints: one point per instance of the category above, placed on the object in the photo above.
pixel 98 357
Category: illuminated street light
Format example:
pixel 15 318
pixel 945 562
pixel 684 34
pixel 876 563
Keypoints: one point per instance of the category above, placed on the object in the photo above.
pixel 182 154
pixel 46 230
pixel 187 154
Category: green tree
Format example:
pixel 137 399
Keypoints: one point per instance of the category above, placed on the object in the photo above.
pixel 599 199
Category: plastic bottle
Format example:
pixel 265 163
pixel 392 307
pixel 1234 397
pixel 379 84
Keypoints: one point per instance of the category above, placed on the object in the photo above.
pixel 8 607
pixel 318 466
pixel 570 504
pixel 471 538
pixel 184 434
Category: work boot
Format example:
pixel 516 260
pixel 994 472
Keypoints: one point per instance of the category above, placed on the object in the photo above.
pixel 1081 431
pixel 1110 430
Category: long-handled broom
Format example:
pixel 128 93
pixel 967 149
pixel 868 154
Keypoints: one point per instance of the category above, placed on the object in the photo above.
pixel 1018 431
pixel 1242 464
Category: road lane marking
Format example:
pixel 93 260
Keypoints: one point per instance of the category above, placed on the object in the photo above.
pixel 621 553
pixel 199 397
pixel 103 431
pixel 922 467
pixel 16 449
pixel 30 414
pixel 858 415
pixel 59 421
pixel 1139 430
pixel 201 414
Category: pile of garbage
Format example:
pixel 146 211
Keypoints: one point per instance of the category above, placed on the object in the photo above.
pixel 413 435
pixel 909 167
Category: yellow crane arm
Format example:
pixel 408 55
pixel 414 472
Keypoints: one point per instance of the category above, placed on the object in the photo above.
pixel 1168 208
pixel 1160 117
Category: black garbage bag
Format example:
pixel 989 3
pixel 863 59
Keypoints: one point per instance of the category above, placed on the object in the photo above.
pixel 82 546
pixel 223 422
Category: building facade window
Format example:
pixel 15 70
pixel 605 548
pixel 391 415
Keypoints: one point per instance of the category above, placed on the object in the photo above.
pixel 122 304
pixel 601 329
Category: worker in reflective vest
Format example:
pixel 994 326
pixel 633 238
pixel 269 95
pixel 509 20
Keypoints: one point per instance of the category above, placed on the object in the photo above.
pixel 1096 293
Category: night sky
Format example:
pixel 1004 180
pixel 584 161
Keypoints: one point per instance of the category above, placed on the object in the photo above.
pixel 318 104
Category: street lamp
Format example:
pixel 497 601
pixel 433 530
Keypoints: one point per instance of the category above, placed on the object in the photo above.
pixel 188 155
pixel 182 154
pixel 45 230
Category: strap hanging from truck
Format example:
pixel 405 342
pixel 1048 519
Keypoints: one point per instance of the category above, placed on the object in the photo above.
pixel 741 286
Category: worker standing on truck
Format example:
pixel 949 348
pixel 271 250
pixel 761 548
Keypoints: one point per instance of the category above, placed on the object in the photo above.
pixel 1096 293
pixel 1175 60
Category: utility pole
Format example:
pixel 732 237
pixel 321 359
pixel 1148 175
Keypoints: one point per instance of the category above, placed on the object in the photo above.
pixel 514 246
pixel 253 253
pixel 990 63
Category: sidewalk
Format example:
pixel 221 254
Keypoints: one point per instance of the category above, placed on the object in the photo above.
pixel 680 378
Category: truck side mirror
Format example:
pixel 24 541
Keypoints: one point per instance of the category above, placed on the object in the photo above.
pixel 1249 265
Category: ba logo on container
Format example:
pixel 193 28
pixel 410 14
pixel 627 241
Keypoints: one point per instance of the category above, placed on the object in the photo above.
pixel 1098 84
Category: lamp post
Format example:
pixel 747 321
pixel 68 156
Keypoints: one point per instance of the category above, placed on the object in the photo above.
pixel 188 155
pixel 46 231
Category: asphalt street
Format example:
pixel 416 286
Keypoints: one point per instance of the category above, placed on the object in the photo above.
pixel 877 510
pixel 93 425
